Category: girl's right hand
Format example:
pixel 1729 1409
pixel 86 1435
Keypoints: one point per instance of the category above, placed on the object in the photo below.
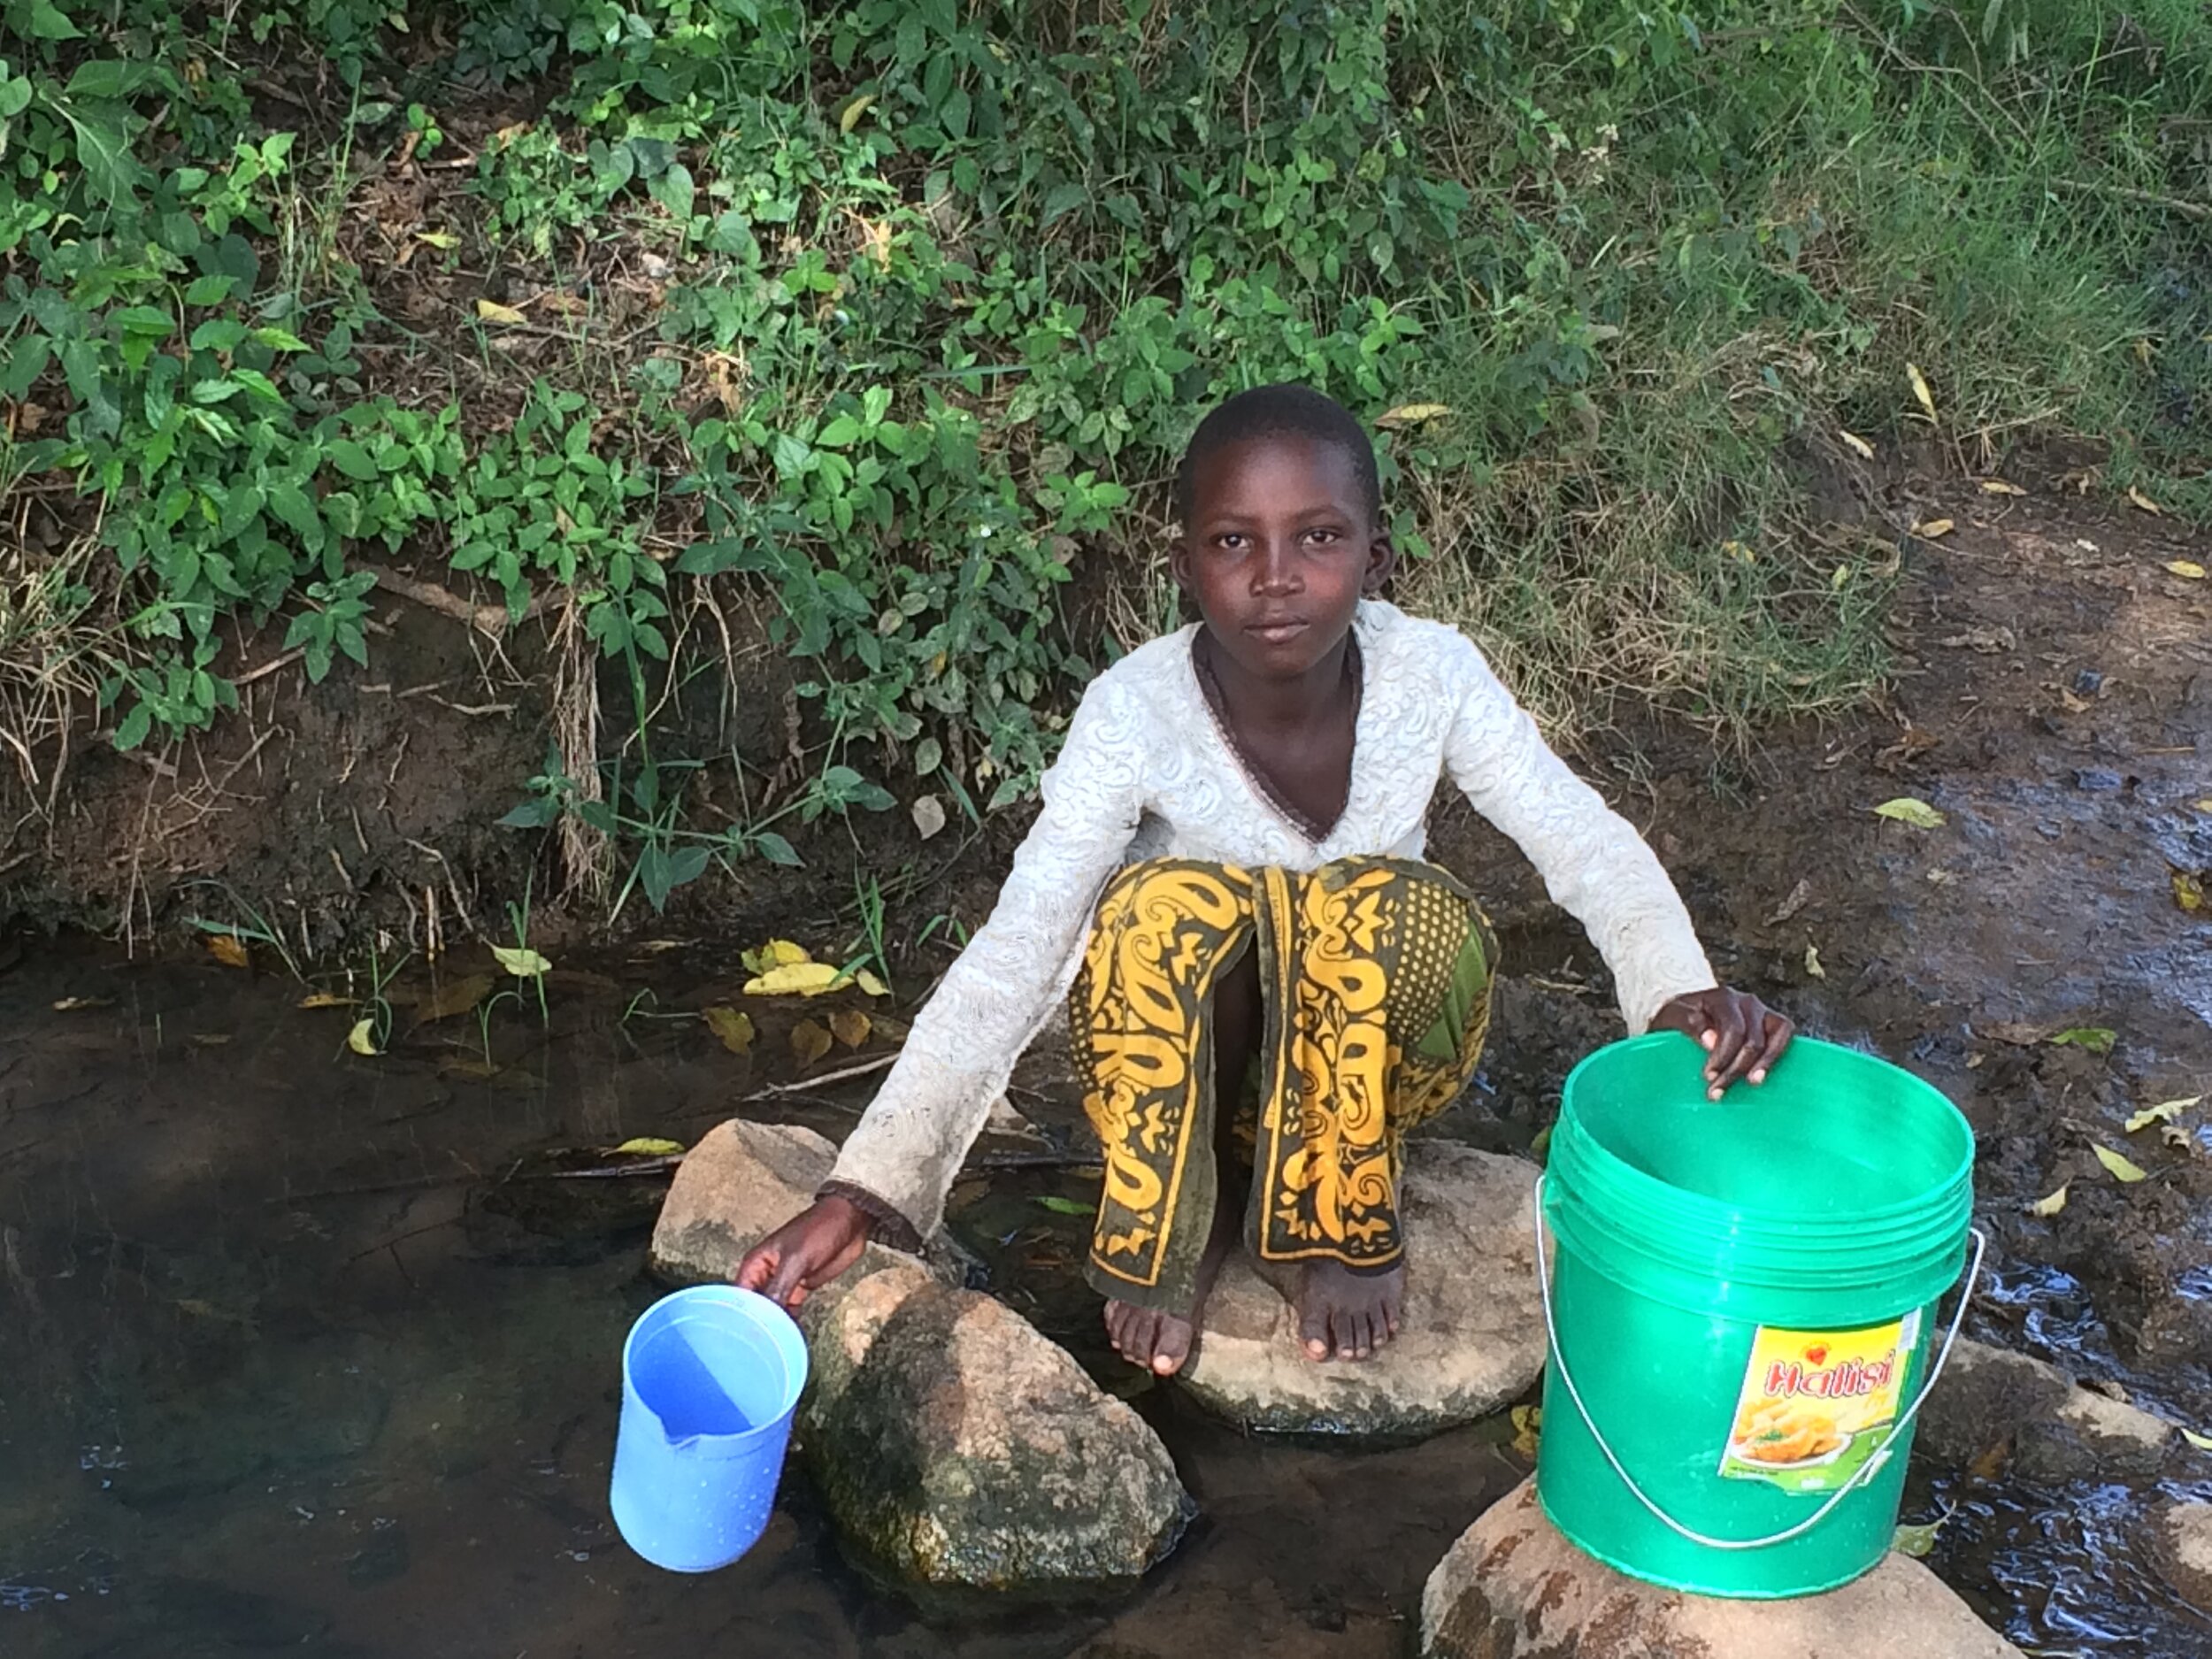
pixel 806 1253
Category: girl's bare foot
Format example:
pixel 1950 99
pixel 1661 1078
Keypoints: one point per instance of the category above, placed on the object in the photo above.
pixel 1345 1314
pixel 1161 1342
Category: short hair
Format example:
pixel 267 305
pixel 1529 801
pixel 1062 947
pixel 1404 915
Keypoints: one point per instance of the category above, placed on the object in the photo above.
pixel 1281 411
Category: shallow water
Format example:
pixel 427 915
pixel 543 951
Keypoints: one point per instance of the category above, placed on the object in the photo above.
pixel 311 1352
pixel 302 1351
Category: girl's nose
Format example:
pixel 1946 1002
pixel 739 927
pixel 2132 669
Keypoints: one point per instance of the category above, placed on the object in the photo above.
pixel 1276 571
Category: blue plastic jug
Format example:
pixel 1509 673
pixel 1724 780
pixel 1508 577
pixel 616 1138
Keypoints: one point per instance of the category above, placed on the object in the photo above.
pixel 710 1377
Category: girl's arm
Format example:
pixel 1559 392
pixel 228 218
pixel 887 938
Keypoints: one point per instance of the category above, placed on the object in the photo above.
pixel 898 1162
pixel 1594 863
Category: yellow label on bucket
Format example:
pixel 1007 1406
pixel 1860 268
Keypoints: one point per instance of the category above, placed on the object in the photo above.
pixel 1816 1404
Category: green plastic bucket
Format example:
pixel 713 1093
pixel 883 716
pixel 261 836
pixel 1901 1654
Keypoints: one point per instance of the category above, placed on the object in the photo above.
pixel 1740 1309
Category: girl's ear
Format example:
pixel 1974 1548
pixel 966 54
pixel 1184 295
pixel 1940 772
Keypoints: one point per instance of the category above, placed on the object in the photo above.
pixel 1382 560
pixel 1178 557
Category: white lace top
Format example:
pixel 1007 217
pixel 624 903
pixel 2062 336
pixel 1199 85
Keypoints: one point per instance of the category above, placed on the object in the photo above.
pixel 1147 772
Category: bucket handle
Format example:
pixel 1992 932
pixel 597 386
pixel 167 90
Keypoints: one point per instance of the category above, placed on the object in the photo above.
pixel 1864 1473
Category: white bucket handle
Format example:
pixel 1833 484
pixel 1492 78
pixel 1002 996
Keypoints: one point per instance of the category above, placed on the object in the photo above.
pixel 1864 1473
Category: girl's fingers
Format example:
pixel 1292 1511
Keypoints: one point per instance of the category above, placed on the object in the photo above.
pixel 1778 1033
pixel 1732 1053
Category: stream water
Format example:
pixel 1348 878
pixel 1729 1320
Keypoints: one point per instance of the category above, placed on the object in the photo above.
pixel 301 1350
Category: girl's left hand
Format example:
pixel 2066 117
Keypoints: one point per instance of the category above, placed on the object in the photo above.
pixel 1742 1036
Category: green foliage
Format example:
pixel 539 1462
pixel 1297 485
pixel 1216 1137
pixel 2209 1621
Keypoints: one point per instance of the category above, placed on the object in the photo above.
pixel 943 284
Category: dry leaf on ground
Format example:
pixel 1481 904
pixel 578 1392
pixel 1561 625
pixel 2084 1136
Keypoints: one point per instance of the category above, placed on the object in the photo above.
pixel 1411 415
pixel 1860 446
pixel 777 953
pixel 1790 906
pixel 1528 1429
pixel 1933 528
pixel 362 1038
pixel 2165 1112
pixel 2202 1442
pixel 1999 487
pixel 929 816
pixel 491 311
pixel 2188 891
pixel 870 985
pixel 324 999
pixel 809 1042
pixel 2051 1205
pixel 849 1026
pixel 2122 1169
pixel 649 1147
pixel 1910 809
pixel 228 949
pixel 734 1027
pixel 2188 570
pixel 1812 964
pixel 2143 501
pixel 1920 388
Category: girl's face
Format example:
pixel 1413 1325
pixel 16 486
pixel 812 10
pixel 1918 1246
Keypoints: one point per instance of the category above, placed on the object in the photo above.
pixel 1279 549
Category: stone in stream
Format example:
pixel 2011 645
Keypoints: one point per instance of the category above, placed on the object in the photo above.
pixel 955 1445
pixel 1513 1587
pixel 1472 1339
pixel 1988 1397
pixel 2182 1541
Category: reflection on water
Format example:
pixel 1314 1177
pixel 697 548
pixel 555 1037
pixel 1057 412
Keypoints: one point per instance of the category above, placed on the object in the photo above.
pixel 308 1352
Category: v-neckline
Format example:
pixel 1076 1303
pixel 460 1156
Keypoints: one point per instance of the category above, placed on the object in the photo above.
pixel 1256 780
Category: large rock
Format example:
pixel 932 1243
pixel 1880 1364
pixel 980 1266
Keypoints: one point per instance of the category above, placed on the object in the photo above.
pixel 958 1445
pixel 955 1444
pixel 1473 1334
pixel 1989 1399
pixel 1512 1587
pixel 2183 1544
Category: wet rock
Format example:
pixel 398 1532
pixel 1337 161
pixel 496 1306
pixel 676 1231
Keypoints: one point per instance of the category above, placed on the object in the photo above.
pixel 1512 1587
pixel 2183 1544
pixel 1989 1399
pixel 741 1182
pixel 956 1445
pixel 1473 1338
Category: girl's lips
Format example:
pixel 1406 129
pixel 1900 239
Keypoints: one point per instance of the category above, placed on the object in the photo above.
pixel 1276 632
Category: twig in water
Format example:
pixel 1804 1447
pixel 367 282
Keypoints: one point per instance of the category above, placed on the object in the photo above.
pixel 807 1086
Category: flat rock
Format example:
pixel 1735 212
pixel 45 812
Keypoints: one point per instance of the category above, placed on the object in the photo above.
pixel 2183 1544
pixel 1473 1335
pixel 1512 1587
pixel 1988 1398
pixel 955 1444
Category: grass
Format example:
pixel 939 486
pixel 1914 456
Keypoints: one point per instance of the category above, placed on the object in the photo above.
pixel 884 323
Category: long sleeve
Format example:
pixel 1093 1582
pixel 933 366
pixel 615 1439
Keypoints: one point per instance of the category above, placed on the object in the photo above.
pixel 992 1001
pixel 1593 863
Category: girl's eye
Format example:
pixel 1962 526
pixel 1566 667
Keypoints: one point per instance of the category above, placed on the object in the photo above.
pixel 1229 542
pixel 1321 537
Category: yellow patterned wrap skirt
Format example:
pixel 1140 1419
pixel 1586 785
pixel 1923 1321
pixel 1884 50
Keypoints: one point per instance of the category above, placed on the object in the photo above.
pixel 1375 983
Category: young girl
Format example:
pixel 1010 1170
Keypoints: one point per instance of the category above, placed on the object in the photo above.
pixel 1270 987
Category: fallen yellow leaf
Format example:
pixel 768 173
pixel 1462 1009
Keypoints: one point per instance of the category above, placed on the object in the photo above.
pixel 870 984
pixel 2188 570
pixel 1910 809
pixel 1812 964
pixel 795 978
pixel 809 1042
pixel 731 1026
pixel 455 997
pixel 72 1004
pixel 777 953
pixel 849 117
pixel 521 961
pixel 228 949
pixel 849 1026
pixel 1528 1429
pixel 929 816
pixel 1738 550
pixel 2202 1442
pixel 1998 486
pixel 2143 501
pixel 443 241
pixel 1411 415
pixel 324 999
pixel 1865 451
pixel 2121 1168
pixel 1920 388
pixel 649 1147
pixel 1933 528
pixel 493 312
pixel 2204 805
pixel 2051 1204
pixel 2188 892
pixel 2165 1112
pixel 362 1038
